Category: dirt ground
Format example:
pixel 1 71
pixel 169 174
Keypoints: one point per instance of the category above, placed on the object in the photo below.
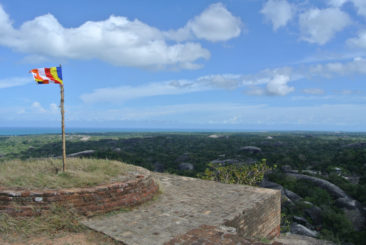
pixel 63 238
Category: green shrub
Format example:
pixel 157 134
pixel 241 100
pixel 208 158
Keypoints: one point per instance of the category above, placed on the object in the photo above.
pixel 237 174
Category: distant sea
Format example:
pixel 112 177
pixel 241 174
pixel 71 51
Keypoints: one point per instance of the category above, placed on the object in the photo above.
pixel 9 131
pixel 6 131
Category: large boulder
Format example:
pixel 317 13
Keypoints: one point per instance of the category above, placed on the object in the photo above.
pixel 82 153
pixel 225 162
pixel 301 221
pixel 272 185
pixel 334 190
pixel 251 149
pixel 296 228
pixel 315 214
pixel 346 203
pixel 292 195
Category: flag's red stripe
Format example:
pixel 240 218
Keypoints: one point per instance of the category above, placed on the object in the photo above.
pixel 49 75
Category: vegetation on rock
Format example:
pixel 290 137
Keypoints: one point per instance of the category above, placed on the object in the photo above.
pixel 237 174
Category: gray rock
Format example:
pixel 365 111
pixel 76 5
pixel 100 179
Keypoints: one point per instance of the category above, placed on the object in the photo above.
pixel 292 196
pixel 225 162
pixel 186 166
pixel 315 214
pixel 334 190
pixel 272 185
pixel 301 221
pixel 82 153
pixel 346 203
pixel 252 149
pixel 117 149
pixel 302 230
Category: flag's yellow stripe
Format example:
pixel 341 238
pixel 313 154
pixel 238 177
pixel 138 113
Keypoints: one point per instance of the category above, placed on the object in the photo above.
pixel 53 71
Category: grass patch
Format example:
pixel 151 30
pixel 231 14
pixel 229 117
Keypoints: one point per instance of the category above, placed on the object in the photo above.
pixel 58 219
pixel 47 173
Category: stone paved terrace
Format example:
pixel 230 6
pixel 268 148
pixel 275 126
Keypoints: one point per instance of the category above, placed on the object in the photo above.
pixel 188 206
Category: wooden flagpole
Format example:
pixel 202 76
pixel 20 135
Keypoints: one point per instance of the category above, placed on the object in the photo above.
pixel 63 128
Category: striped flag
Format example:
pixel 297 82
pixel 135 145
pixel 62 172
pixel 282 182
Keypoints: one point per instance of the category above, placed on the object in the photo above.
pixel 45 75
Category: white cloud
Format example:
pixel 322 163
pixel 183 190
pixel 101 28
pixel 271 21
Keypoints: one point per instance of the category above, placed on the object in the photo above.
pixel 120 41
pixel 356 66
pixel 214 24
pixel 123 93
pixel 313 91
pixel 37 107
pixel 269 82
pixel 14 82
pixel 361 6
pixel 279 12
pixel 320 26
pixel 278 85
pixel 337 3
pixel 360 41
pixel 225 81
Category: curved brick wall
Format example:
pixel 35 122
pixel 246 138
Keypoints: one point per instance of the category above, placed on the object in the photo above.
pixel 86 201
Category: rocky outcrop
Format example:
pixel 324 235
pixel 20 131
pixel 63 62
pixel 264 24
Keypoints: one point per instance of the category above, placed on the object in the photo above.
pixel 351 207
pixel 292 196
pixel 302 230
pixel 251 149
pixel 334 190
pixel 81 153
pixel 301 221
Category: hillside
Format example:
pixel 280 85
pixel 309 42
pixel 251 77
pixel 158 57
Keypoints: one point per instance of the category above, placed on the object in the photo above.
pixel 338 158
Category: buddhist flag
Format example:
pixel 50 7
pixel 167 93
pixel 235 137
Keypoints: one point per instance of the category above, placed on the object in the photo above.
pixel 45 75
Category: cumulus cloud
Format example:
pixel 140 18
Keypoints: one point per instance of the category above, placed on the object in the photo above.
pixel 214 24
pixel 14 82
pixel 279 12
pixel 320 25
pixel 269 82
pixel 120 41
pixel 278 85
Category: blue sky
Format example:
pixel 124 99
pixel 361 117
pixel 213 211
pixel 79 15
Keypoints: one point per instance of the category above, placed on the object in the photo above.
pixel 238 64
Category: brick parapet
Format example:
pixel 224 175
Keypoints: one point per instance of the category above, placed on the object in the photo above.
pixel 86 201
